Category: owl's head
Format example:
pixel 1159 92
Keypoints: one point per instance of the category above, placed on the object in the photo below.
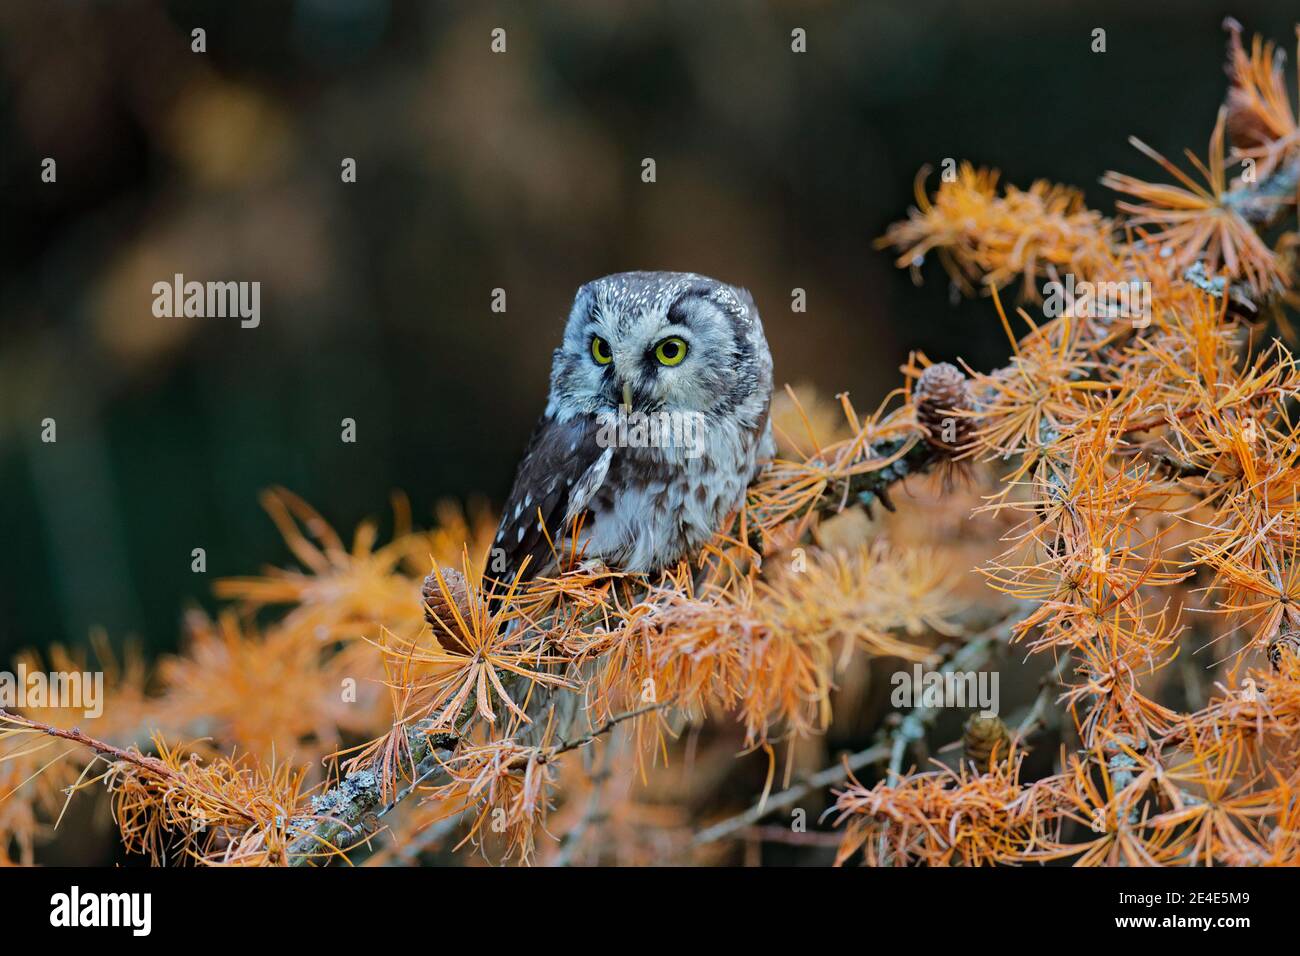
pixel 666 341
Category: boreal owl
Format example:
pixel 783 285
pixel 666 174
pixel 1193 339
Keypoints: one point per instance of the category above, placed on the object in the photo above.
pixel 657 420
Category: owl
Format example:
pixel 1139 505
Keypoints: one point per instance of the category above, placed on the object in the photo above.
pixel 656 422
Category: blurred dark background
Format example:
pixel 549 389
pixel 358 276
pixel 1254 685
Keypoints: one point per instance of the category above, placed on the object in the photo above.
pixel 475 171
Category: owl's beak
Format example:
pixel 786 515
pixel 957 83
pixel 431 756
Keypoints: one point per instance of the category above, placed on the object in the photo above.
pixel 627 395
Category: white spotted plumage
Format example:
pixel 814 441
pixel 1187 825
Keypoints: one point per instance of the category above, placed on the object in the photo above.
pixel 642 505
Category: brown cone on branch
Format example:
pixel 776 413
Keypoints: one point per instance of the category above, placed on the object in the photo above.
pixel 943 400
pixel 985 739
pixel 1284 652
pixel 438 607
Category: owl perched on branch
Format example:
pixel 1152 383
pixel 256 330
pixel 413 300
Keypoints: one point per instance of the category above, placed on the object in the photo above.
pixel 657 420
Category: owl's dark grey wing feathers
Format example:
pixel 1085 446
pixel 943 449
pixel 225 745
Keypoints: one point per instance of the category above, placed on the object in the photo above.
pixel 560 471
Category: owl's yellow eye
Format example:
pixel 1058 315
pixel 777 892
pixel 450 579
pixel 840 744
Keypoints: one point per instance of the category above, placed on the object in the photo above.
pixel 600 351
pixel 671 351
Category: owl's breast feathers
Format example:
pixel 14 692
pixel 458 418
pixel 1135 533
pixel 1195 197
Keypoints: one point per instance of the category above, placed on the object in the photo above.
pixel 561 469
pixel 639 510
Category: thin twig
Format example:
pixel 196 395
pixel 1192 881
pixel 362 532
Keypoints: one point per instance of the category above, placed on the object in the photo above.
pixel 818 781
pixel 604 728
pixel 1051 683
pixel 103 749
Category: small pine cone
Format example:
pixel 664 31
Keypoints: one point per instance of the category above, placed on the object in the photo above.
pixel 1284 652
pixel 941 392
pixel 983 738
pixel 439 602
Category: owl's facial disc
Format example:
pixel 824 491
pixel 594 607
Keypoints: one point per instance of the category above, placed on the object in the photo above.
pixel 652 342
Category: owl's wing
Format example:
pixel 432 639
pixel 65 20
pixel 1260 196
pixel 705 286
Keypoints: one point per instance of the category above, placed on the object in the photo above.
pixel 562 468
